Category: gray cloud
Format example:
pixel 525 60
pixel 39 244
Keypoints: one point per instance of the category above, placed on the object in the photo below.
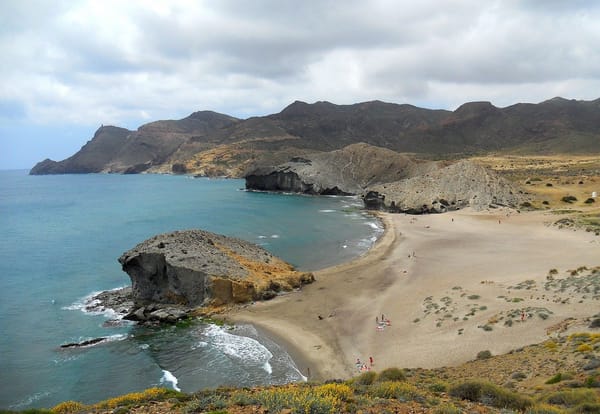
pixel 95 62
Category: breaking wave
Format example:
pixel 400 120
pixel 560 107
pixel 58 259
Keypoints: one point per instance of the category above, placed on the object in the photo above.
pixel 169 378
pixel 247 350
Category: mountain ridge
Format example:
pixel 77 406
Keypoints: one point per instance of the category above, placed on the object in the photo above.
pixel 187 145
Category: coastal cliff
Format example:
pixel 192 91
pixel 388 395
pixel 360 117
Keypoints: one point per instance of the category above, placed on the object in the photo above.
pixel 390 181
pixel 196 268
pixel 347 171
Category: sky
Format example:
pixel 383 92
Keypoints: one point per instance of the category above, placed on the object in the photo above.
pixel 68 67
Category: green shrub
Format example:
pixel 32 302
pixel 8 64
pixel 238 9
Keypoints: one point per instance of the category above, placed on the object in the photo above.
pixel 518 376
pixel 526 204
pixel 447 409
pixel 391 374
pixel 555 379
pixel 490 394
pixel 568 199
pixel 571 398
pixel 544 409
pixel 242 399
pixel 585 408
pixel 484 354
pixel 206 402
pixel 366 378
pixel 438 387
pixel 401 391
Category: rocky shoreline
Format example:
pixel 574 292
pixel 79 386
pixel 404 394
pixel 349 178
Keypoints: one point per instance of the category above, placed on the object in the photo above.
pixel 177 274
pixel 122 303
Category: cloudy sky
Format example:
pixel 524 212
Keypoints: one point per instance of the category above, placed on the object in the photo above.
pixel 69 66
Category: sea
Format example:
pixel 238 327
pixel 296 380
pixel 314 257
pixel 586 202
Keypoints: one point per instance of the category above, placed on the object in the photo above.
pixel 62 235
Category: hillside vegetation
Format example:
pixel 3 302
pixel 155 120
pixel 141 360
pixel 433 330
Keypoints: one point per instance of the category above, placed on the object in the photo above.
pixel 559 376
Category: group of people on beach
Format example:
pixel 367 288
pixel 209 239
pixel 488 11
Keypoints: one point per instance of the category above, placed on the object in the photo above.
pixel 381 324
pixel 362 366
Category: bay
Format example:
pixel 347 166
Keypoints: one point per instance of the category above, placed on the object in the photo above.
pixel 63 235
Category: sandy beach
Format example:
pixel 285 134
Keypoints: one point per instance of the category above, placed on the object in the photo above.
pixel 450 284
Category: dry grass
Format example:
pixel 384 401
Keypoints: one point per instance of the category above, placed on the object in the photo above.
pixel 550 178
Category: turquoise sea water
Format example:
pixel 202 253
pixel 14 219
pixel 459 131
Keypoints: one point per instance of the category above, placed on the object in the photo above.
pixel 62 237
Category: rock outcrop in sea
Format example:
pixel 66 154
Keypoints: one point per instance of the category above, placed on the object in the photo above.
pixel 174 272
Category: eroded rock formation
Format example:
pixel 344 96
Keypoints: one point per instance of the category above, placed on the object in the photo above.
pixel 347 171
pixel 459 185
pixel 197 268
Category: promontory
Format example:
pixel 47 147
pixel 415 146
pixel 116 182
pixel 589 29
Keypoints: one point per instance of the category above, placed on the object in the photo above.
pixel 174 273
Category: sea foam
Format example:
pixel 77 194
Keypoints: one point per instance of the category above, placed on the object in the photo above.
pixel 169 378
pixel 89 304
pixel 242 348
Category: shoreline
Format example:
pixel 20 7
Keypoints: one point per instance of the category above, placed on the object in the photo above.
pixel 418 263
pixel 298 346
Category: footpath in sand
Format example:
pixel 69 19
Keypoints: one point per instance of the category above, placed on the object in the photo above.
pixel 451 285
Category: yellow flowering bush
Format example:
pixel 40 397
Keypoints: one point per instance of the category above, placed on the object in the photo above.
pixel 302 400
pixel 584 348
pixel 134 398
pixel 341 391
pixel 68 407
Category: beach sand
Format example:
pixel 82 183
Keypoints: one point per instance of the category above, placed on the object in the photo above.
pixel 448 283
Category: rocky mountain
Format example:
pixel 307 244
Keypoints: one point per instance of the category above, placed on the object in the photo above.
pixel 119 150
pixel 208 143
pixel 92 157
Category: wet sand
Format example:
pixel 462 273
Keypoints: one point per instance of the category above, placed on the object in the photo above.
pixel 439 279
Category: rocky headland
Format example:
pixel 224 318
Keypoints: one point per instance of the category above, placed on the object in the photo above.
pixel 347 171
pixel 390 181
pixel 174 274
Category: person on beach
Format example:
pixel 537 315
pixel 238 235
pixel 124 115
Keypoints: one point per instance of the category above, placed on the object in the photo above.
pixel 371 361
pixel 376 320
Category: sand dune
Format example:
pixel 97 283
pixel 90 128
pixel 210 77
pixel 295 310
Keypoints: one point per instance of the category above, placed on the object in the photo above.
pixel 448 283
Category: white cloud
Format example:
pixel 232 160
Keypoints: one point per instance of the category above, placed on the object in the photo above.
pixel 122 62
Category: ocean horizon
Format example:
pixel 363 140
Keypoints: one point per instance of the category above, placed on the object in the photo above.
pixel 64 234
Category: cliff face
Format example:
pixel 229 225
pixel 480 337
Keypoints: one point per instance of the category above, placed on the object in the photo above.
pixel 390 181
pixel 92 157
pixel 349 170
pixel 199 268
